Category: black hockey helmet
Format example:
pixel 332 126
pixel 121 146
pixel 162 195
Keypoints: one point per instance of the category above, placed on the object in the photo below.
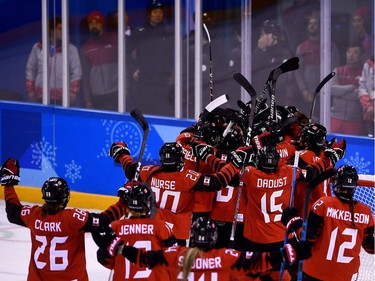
pixel 345 182
pixel 267 159
pixel 56 191
pixel 234 132
pixel 138 196
pixel 203 233
pixel 172 156
pixel 313 136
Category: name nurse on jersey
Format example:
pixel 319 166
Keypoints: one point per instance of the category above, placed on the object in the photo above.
pixel 163 184
pixel 347 216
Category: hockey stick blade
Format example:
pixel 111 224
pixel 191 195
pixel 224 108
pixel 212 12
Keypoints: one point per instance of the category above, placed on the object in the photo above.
pixel 288 65
pixel 240 79
pixel 317 90
pixel 138 116
pixel 243 107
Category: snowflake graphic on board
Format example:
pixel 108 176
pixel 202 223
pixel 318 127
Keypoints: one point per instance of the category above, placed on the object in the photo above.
pixel 73 171
pixel 43 149
pixel 359 163
pixel 129 132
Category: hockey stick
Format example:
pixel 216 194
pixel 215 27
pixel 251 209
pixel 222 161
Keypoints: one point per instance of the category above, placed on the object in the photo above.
pixel 317 90
pixel 219 101
pixel 288 65
pixel 247 86
pixel 291 200
pixel 244 83
pixel 138 116
pixel 210 63
pixel 315 181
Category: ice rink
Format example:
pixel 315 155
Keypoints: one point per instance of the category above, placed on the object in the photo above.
pixel 15 252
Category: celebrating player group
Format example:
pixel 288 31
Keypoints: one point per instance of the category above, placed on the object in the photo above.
pixel 240 195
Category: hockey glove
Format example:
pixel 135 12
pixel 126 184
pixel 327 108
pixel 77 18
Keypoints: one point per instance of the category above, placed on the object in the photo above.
pixel 10 172
pixel 201 151
pixel 336 152
pixel 243 156
pixel 118 148
pixel 261 140
pixel 296 251
pixel 246 260
pixel 115 247
pixel 288 214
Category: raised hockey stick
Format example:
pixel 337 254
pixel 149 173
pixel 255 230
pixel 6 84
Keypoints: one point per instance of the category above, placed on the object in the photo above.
pixel 291 200
pixel 138 116
pixel 210 62
pixel 315 181
pixel 270 85
pixel 219 101
pixel 247 86
pixel 317 90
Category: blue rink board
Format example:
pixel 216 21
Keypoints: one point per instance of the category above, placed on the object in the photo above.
pixel 74 143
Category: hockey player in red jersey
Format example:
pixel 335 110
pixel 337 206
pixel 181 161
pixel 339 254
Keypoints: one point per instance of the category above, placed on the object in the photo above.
pixel 138 230
pixel 313 146
pixel 201 261
pixel 268 189
pixel 337 228
pixel 174 186
pixel 57 234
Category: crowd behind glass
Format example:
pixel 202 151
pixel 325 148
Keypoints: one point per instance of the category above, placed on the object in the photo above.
pixel 278 32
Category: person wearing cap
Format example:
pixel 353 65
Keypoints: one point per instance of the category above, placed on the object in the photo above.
pixel 99 63
pixel 269 53
pixel 153 64
pixel 34 71
pixel 362 27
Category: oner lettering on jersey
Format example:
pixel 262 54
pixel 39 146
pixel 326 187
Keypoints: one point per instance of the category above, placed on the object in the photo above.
pixel 337 242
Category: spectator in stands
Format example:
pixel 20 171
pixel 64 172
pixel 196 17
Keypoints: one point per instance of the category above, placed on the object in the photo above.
pixel 346 110
pixel 99 64
pixel 295 17
pixel 271 50
pixel 367 94
pixel 153 54
pixel 308 75
pixel 362 29
pixel 34 70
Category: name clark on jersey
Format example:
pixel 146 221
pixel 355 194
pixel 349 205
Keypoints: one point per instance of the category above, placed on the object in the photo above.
pixel 47 226
pixel 347 216
pixel 163 184
pixel 202 263
pixel 137 229
pixel 271 183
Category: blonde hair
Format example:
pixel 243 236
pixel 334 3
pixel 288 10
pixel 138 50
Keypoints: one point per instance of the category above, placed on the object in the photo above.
pixel 189 258
pixel 51 209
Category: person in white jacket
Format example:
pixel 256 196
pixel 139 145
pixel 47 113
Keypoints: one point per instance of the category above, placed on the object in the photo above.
pixel 34 68
pixel 366 94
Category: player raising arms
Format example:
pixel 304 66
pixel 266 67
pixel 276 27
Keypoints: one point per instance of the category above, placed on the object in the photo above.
pixel 204 262
pixel 337 228
pixel 57 233
pixel 174 187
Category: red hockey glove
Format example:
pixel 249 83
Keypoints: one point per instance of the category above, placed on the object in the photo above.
pixel 336 152
pixel 201 150
pixel 261 140
pixel 243 156
pixel 118 148
pixel 115 247
pixel 296 251
pixel 10 172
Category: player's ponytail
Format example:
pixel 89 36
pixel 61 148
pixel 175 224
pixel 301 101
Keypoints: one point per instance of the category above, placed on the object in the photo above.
pixel 189 258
